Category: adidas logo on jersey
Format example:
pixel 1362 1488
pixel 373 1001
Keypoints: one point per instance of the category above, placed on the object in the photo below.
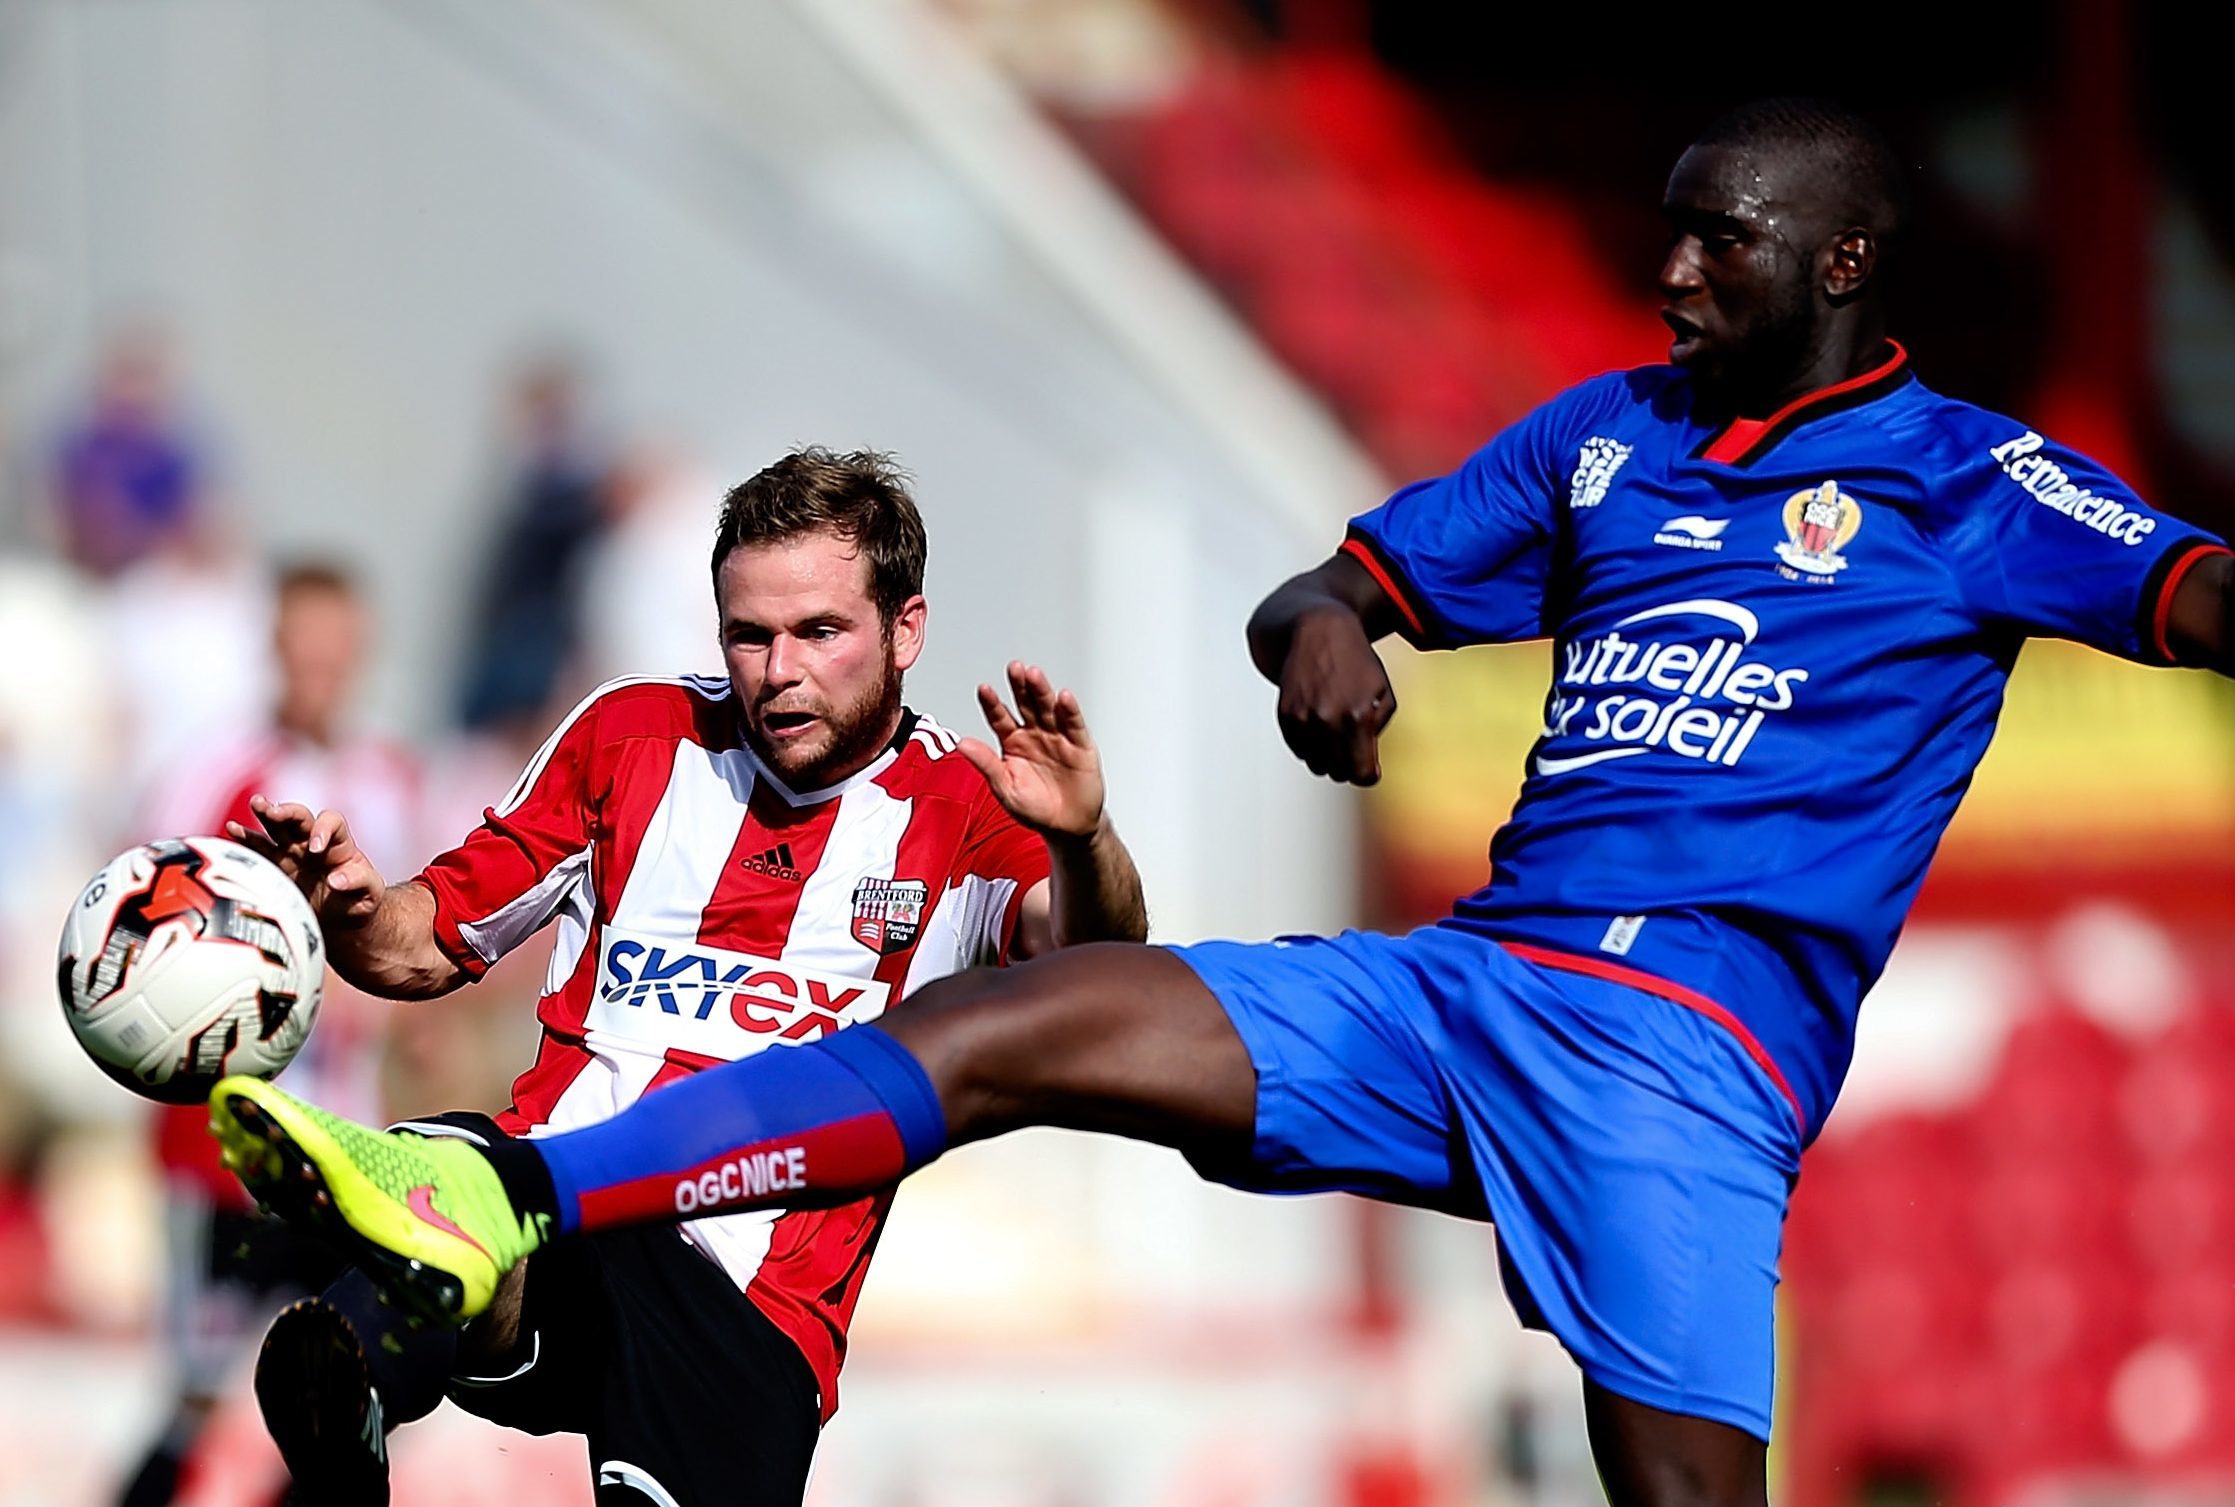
pixel 776 863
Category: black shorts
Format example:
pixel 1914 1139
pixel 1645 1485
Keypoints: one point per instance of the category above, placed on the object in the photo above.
pixel 688 1395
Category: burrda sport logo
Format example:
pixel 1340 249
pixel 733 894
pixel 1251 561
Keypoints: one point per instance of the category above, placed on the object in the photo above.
pixel 1634 693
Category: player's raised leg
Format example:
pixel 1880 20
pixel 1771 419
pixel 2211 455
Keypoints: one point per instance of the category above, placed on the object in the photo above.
pixel 1110 1037
pixel 1118 1038
pixel 1319 1065
pixel 1309 1076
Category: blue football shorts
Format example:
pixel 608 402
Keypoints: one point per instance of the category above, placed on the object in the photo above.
pixel 1635 1160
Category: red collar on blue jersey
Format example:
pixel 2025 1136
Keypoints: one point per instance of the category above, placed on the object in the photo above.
pixel 1741 442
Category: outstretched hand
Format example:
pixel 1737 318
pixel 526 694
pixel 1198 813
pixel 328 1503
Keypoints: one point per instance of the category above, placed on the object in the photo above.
pixel 1045 771
pixel 319 854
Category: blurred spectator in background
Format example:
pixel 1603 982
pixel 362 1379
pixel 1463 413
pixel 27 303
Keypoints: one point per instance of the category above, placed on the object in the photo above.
pixel 184 608
pixel 186 631
pixel 128 470
pixel 524 659
pixel 230 1270
pixel 659 509
pixel 527 626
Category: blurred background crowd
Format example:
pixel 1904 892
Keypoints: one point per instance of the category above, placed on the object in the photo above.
pixel 370 371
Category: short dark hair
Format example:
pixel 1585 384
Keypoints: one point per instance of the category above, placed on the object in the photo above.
pixel 861 496
pixel 1848 153
pixel 326 576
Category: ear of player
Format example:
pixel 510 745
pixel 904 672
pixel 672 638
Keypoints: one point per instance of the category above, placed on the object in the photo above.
pixel 427 1218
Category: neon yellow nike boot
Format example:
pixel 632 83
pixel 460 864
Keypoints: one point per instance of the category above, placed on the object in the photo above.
pixel 426 1218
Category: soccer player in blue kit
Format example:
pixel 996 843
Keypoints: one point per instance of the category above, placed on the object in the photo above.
pixel 1786 583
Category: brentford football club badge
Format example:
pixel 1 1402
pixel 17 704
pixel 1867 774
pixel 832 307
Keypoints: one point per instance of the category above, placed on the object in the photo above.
pixel 888 913
pixel 1819 522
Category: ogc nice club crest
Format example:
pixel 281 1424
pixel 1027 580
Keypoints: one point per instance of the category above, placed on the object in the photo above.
pixel 888 913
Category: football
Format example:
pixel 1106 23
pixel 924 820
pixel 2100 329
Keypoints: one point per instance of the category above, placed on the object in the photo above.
pixel 187 960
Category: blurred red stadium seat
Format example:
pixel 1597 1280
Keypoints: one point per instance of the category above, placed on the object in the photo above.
pixel 1430 305
pixel 2038 1285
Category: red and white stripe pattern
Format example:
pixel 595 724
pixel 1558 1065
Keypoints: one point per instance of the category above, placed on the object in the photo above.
pixel 703 912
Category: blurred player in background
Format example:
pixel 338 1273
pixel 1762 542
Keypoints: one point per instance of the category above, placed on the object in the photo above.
pixel 528 601
pixel 728 865
pixel 654 535
pixel 230 1270
pixel 133 488
pixel 1785 582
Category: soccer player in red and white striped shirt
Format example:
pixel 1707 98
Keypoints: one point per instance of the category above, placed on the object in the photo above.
pixel 726 866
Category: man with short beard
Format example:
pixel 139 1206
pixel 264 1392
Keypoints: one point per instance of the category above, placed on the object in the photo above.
pixel 728 865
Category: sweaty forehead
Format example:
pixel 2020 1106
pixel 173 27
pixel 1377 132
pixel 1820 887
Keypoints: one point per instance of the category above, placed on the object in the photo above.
pixel 1748 183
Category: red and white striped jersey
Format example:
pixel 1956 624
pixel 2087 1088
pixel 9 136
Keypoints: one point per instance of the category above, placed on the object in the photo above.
pixel 703 912
pixel 376 784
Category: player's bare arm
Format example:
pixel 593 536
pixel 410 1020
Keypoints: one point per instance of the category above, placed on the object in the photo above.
pixel 2201 624
pixel 380 937
pixel 1313 637
pixel 1045 771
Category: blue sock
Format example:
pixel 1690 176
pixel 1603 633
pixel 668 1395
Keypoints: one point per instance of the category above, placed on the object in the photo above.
pixel 794 1127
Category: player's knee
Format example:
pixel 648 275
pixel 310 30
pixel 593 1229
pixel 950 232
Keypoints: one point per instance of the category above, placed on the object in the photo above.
pixel 994 1043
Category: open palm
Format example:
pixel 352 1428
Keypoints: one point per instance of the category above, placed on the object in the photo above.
pixel 1042 766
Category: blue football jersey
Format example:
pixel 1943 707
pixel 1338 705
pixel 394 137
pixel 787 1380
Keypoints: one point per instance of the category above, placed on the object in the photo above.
pixel 1780 648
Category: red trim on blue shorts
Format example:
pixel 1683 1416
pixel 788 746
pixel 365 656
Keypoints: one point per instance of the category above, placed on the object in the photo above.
pixel 1691 999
